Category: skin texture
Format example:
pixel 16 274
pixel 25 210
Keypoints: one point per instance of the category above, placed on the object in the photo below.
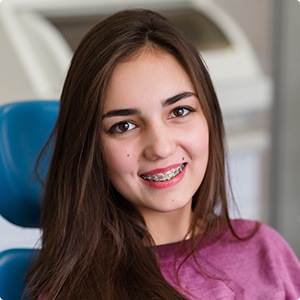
pixel 159 132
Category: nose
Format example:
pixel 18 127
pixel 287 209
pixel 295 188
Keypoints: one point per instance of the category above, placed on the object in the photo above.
pixel 159 143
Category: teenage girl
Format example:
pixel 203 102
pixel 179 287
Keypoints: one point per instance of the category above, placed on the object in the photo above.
pixel 136 204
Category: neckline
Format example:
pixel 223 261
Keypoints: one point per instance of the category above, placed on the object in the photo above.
pixel 181 248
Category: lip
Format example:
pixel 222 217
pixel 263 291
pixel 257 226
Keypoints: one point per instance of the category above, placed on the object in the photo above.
pixel 161 170
pixel 168 183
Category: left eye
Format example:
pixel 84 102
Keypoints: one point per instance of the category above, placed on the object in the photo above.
pixel 180 112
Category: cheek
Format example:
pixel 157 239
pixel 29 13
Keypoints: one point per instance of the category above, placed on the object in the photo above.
pixel 199 141
pixel 119 160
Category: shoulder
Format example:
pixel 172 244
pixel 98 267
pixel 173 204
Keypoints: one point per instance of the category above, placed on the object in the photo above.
pixel 272 252
pixel 262 233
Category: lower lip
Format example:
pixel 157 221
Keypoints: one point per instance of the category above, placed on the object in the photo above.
pixel 168 183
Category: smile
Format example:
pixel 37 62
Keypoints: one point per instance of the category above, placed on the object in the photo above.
pixel 161 177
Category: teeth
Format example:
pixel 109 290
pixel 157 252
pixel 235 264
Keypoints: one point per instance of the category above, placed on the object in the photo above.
pixel 160 177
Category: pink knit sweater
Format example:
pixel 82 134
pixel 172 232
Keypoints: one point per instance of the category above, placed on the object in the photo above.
pixel 263 267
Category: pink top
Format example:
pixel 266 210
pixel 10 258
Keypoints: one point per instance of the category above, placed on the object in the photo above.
pixel 263 267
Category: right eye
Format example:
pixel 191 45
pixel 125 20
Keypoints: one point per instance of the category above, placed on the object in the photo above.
pixel 122 127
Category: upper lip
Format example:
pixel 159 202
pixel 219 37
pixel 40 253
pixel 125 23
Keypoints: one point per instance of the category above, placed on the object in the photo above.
pixel 161 170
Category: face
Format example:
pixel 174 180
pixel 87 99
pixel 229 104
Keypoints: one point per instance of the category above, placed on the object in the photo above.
pixel 155 136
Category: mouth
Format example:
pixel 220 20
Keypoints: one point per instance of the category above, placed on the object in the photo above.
pixel 166 176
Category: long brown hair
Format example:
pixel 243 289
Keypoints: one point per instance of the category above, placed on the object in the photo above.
pixel 93 239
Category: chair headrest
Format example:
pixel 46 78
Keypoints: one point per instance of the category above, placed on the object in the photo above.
pixel 24 129
pixel 14 264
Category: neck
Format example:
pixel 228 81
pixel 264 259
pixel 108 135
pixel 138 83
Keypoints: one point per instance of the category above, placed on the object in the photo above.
pixel 168 227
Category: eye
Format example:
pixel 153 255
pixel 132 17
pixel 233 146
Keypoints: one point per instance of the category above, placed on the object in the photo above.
pixel 181 112
pixel 122 127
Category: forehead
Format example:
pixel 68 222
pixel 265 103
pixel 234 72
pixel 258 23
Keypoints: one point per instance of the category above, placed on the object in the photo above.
pixel 147 76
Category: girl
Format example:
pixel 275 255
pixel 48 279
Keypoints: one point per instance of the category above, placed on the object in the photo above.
pixel 135 205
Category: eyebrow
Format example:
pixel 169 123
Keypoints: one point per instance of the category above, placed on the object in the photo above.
pixel 121 112
pixel 136 111
pixel 177 98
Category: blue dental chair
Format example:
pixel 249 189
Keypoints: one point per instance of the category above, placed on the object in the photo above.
pixel 24 130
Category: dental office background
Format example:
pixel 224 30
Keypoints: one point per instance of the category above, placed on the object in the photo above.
pixel 252 50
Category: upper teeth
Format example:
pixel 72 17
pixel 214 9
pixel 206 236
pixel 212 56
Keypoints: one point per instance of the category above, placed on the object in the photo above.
pixel 164 176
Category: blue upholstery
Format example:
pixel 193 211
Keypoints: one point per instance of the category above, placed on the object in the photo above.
pixel 14 264
pixel 24 130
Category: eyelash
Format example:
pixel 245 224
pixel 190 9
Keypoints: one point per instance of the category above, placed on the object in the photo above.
pixel 187 110
pixel 115 129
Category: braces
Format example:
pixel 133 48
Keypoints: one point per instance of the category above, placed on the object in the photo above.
pixel 161 177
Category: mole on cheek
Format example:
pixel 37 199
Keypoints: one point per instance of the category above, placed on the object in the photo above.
pixel 128 155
